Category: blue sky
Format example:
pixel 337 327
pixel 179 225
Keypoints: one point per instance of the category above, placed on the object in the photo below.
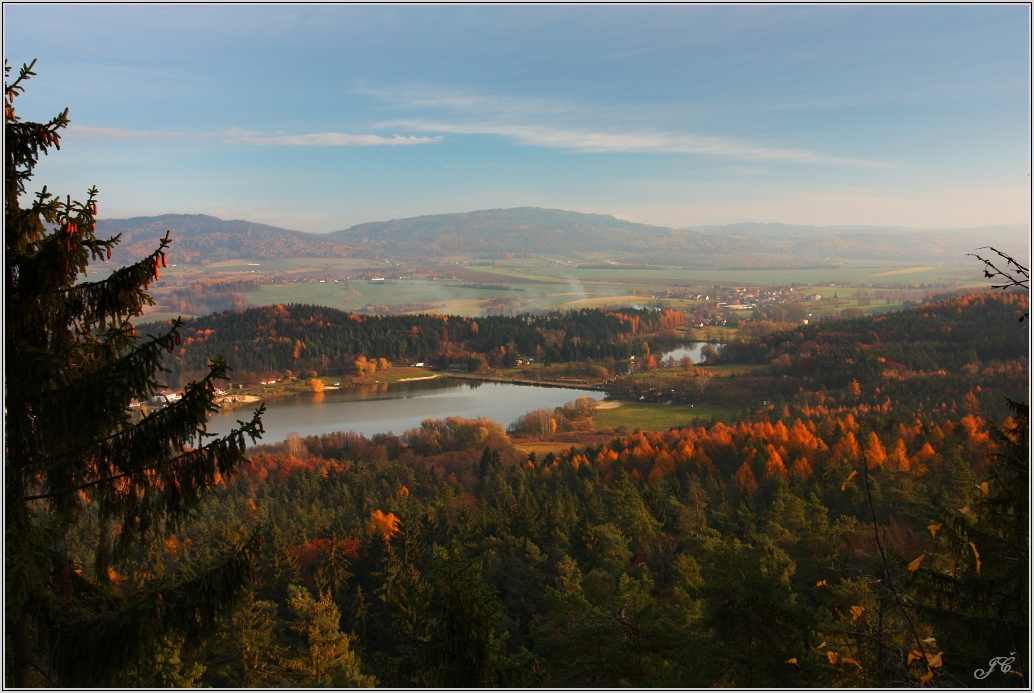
pixel 319 117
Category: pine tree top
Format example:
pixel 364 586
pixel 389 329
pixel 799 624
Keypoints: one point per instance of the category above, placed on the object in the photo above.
pixel 77 463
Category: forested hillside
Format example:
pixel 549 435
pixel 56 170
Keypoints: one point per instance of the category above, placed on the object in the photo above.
pixel 930 359
pixel 864 526
pixel 301 338
pixel 946 334
pixel 867 526
pixel 829 545
pixel 945 358
pixel 528 231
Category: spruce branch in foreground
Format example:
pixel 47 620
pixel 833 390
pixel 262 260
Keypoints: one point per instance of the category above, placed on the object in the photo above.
pixel 88 487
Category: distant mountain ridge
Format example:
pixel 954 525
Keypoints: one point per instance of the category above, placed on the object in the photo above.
pixel 519 231
pixel 859 242
pixel 557 234
pixel 202 239
pixel 600 237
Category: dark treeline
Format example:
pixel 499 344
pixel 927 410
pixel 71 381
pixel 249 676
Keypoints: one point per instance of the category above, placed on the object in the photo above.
pixel 945 335
pixel 944 359
pixel 314 338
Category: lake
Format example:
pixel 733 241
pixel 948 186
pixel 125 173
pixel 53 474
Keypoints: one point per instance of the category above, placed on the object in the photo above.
pixel 692 350
pixel 397 407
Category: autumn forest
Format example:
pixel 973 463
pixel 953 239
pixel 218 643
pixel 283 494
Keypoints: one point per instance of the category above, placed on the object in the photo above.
pixel 862 528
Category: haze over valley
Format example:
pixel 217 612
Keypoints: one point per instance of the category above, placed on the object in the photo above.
pixel 533 259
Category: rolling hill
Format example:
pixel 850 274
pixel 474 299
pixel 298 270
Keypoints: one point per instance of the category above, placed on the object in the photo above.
pixel 561 235
pixel 202 239
pixel 521 231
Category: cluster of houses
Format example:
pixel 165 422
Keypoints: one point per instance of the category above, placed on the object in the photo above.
pixel 727 300
pixel 158 400
pixel 164 399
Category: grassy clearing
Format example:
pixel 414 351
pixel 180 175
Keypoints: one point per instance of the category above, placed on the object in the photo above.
pixel 398 374
pixel 408 295
pixel 646 416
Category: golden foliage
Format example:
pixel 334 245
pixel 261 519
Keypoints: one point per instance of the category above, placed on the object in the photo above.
pixel 384 524
pixel 853 474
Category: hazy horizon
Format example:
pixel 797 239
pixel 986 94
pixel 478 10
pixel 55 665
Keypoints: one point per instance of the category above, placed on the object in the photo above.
pixel 318 118
pixel 833 228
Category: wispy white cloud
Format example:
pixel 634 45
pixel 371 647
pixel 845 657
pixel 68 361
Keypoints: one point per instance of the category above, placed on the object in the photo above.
pixel 584 140
pixel 255 139
pixel 423 97
pixel 564 124
pixel 323 139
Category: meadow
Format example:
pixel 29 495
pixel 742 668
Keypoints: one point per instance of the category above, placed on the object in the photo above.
pixel 542 286
pixel 479 287
pixel 648 416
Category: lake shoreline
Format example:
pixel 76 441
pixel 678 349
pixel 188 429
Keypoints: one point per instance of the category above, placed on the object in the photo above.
pixel 397 407
pixel 237 401
pixel 299 387
pixel 574 384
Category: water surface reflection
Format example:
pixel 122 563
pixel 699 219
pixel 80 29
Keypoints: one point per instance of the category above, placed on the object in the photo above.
pixel 394 408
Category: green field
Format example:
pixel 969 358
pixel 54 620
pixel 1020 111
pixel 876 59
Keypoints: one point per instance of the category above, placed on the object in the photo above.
pixel 480 287
pixel 646 416
pixel 870 273
pixel 540 285
pixel 452 297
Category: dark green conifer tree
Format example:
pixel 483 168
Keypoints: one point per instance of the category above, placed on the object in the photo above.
pixel 79 472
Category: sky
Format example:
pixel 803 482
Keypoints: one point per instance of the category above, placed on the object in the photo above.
pixel 319 117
